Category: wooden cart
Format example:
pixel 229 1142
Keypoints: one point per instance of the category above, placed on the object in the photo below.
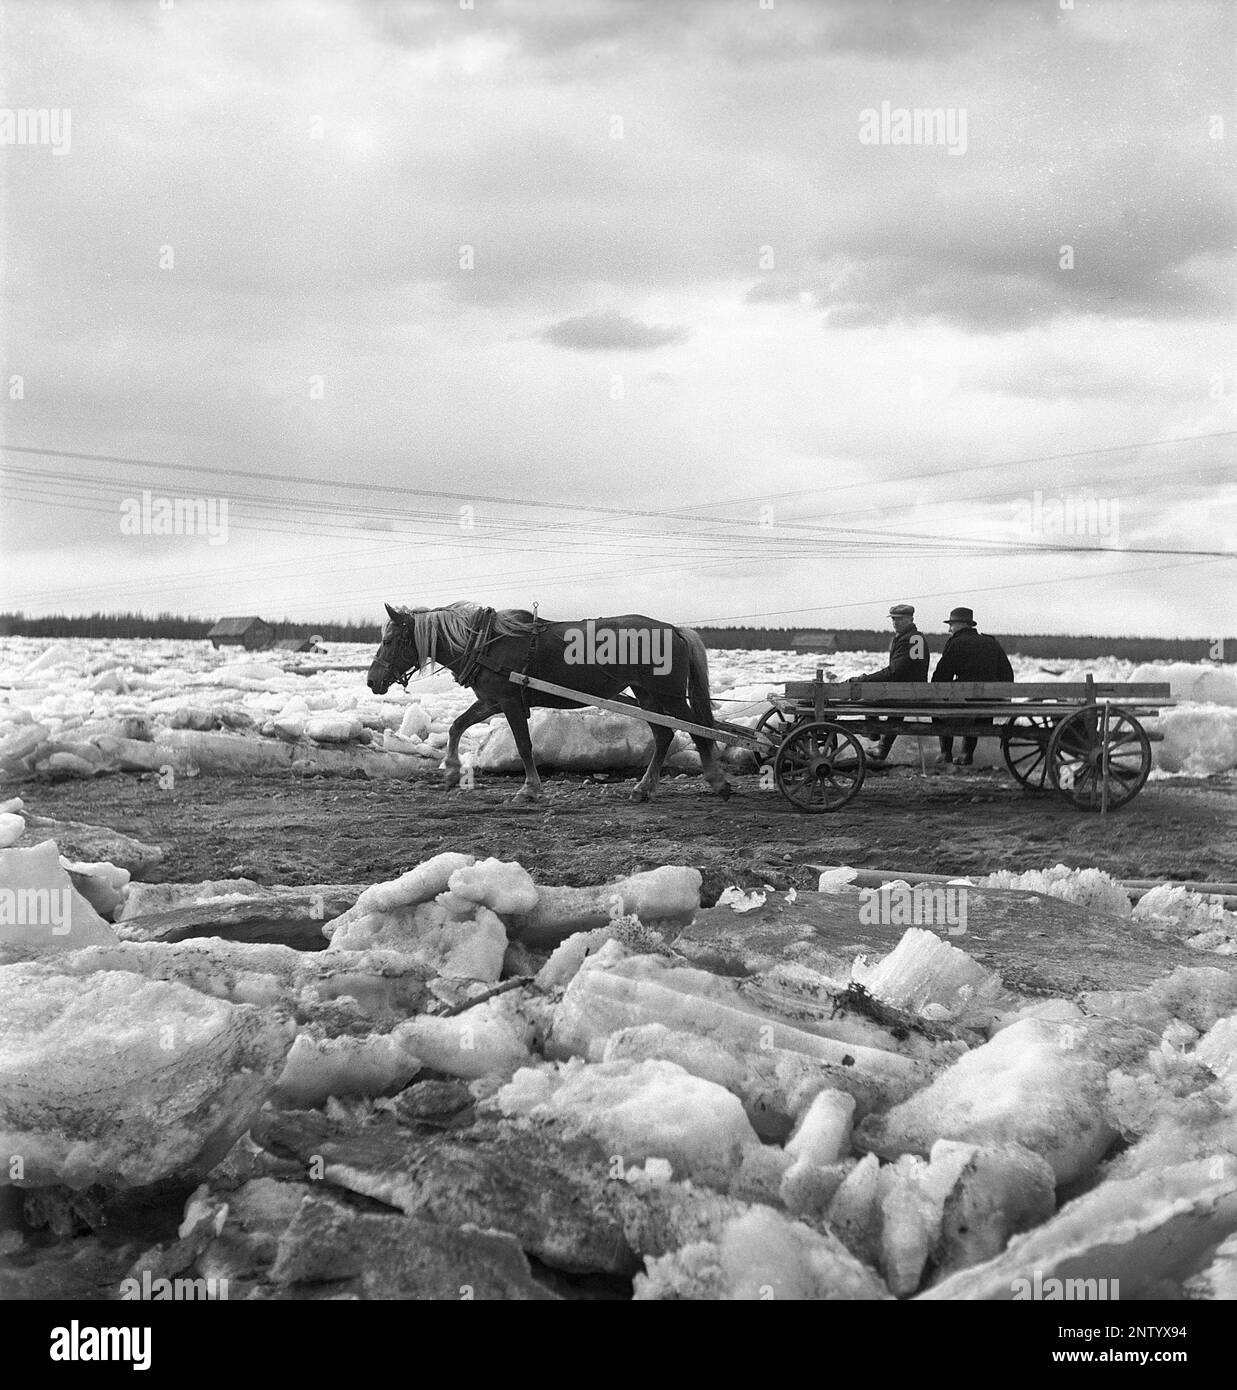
pixel 1081 741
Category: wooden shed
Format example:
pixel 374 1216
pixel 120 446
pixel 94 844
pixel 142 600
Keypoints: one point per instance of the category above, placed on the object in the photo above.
pixel 253 634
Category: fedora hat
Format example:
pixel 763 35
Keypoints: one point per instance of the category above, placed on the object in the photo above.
pixel 961 615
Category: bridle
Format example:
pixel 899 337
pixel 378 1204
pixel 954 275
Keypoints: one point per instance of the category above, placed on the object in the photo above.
pixel 397 679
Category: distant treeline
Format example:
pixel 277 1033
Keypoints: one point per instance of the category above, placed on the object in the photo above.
pixel 169 625
pixel 1056 647
pixel 749 638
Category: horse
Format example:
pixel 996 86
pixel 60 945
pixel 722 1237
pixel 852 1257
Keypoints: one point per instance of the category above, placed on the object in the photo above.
pixel 666 668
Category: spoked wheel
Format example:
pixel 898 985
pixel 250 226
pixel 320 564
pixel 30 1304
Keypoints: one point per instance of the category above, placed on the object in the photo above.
pixel 1090 769
pixel 819 767
pixel 775 724
pixel 1025 747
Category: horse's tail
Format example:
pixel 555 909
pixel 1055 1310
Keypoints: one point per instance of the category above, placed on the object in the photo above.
pixel 698 696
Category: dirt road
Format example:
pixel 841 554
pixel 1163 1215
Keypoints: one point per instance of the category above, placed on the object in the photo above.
pixel 325 829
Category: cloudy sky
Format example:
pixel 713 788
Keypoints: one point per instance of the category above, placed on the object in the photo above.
pixel 623 305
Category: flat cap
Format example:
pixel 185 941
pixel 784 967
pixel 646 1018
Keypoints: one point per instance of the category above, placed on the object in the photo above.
pixel 902 610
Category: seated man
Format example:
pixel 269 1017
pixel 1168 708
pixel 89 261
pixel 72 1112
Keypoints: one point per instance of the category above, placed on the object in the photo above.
pixel 969 655
pixel 908 661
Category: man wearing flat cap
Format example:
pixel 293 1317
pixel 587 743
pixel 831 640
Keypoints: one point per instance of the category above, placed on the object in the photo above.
pixel 908 661
pixel 969 655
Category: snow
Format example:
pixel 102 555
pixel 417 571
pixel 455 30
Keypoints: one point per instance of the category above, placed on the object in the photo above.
pixel 64 701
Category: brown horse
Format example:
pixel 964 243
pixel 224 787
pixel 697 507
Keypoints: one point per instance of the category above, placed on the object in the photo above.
pixel 666 669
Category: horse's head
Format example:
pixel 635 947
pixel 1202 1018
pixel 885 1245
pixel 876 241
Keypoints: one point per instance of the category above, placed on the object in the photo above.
pixel 396 657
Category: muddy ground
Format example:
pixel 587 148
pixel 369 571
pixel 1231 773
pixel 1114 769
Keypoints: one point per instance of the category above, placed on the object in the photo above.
pixel 334 830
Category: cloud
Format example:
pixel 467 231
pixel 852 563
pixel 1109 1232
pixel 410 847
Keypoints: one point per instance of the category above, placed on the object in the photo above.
pixel 609 331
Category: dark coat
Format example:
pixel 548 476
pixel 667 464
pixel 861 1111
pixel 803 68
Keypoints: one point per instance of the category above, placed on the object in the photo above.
pixel 973 656
pixel 908 658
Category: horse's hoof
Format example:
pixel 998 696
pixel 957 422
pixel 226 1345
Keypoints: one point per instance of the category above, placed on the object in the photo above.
pixel 641 794
pixel 524 795
pixel 724 791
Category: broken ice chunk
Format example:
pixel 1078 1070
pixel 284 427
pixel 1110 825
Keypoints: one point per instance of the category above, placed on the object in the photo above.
pixel 39 906
pixel 640 1110
pixel 1219 1279
pixel 668 894
pixel 1217 1048
pixel 1038 1083
pixel 1125 1239
pixel 504 887
pixel 822 1136
pixel 472 949
pixel 760 1255
pixel 490 1039
pixel 123 1081
pixel 418 885
pixel 739 901
pixel 374 1064
pixel 923 970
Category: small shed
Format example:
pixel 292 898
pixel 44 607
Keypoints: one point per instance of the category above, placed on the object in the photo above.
pixel 814 641
pixel 253 634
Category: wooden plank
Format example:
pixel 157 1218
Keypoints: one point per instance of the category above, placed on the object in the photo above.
pixel 949 692
pixel 718 735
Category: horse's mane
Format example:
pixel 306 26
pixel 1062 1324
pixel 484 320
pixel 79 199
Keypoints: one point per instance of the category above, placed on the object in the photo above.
pixel 454 621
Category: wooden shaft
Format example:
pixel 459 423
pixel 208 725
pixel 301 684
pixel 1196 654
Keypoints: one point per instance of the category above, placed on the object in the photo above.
pixel 746 738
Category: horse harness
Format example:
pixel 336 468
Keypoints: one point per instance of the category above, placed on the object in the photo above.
pixel 481 636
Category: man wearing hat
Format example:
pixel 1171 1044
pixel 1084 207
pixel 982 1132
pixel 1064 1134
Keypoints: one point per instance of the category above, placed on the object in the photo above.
pixel 969 655
pixel 908 661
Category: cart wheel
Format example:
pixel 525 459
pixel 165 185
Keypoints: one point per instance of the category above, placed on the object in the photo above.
pixel 1025 747
pixel 819 767
pixel 1076 758
pixel 774 724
